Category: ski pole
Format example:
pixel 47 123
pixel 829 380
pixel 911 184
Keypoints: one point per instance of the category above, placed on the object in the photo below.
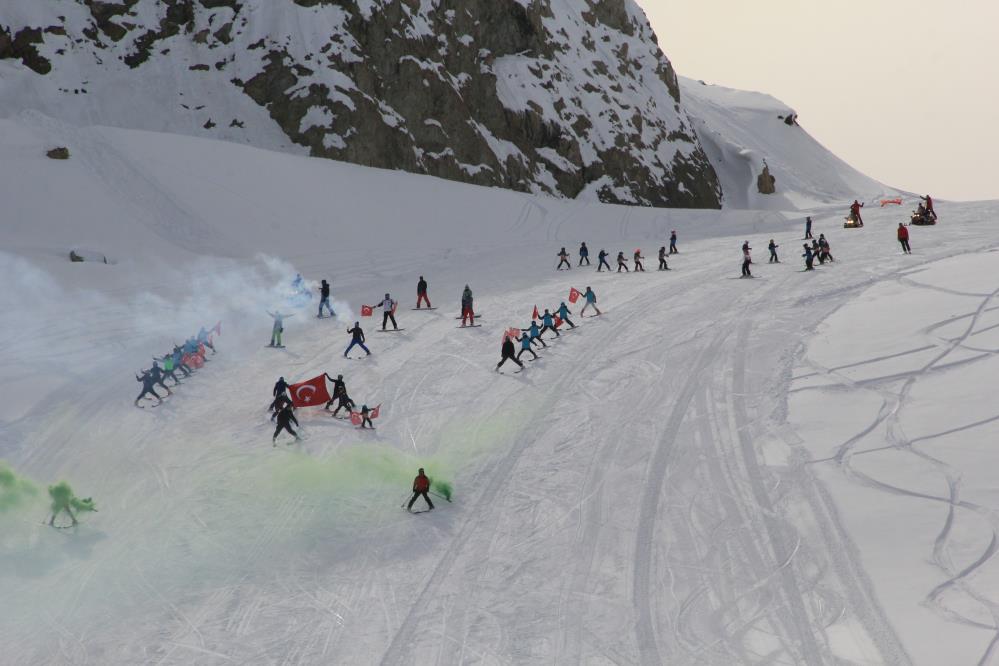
pixel 441 496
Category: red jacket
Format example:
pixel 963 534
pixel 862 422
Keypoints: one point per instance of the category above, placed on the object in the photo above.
pixel 903 233
pixel 421 484
pixel 855 208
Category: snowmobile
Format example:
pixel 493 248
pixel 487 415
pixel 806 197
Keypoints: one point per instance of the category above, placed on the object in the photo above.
pixel 922 218
pixel 852 222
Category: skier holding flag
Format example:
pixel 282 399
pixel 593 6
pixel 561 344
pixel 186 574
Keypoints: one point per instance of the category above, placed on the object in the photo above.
pixel 508 352
pixel 563 313
pixel 525 345
pixel 535 332
pixel 591 299
pixel 548 324
pixel 339 386
pixel 388 312
pixel 357 339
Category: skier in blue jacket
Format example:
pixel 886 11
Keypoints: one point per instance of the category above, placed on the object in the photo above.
pixel 591 300
pixel 548 324
pixel 535 333
pixel 525 345
pixel 602 256
pixel 563 313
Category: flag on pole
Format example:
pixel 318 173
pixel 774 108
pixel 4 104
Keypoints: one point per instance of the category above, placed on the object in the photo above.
pixel 367 310
pixel 535 315
pixel 512 333
pixel 355 418
pixel 373 414
pixel 218 329
pixel 311 393
pixel 574 295
pixel 558 322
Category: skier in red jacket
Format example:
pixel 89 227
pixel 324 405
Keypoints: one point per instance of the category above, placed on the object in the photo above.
pixel 421 486
pixel 929 206
pixel 903 238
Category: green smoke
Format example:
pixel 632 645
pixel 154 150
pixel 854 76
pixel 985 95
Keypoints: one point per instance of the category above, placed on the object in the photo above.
pixel 14 490
pixel 442 488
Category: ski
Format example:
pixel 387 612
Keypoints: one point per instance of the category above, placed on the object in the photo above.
pixel 477 316
pixel 389 330
pixel 470 326
pixel 422 309
pixel 273 346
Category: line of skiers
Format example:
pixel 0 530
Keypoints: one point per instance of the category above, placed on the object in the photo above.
pixel 185 358
pixel 540 324
pixel 622 262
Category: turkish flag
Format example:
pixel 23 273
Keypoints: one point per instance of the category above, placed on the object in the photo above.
pixel 535 314
pixel 355 418
pixel 367 310
pixel 512 333
pixel 218 329
pixel 558 322
pixel 574 294
pixel 311 393
pixel 373 414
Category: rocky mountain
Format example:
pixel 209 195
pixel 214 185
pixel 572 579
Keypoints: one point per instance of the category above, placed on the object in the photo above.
pixel 568 97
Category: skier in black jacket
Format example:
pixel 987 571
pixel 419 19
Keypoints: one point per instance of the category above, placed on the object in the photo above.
pixel 324 299
pixel 284 420
pixel 509 353
pixel 147 387
pixel 280 386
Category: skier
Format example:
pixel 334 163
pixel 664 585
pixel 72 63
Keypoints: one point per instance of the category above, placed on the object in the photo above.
pixel 548 324
pixel 280 387
pixel 365 418
pixel 662 259
pixel 563 314
pixel 638 261
pixel 467 310
pixel 824 247
pixel 602 256
pixel 280 402
pixel 357 339
pixel 508 352
pixel 855 212
pixel 156 374
pixel 672 243
pixel 339 386
pixel 622 263
pixel 388 309
pixel 421 486
pixel 205 339
pixel 324 299
pixel 147 387
pixel 345 403
pixel 563 259
pixel 525 341
pixel 535 332
pixel 773 252
pixel 809 257
pixel 169 368
pixel 584 254
pixel 817 251
pixel 808 228
pixel 63 499
pixel 746 259
pixel 929 206
pixel 278 329
pixel 591 299
pixel 421 293
pixel 284 420
pixel 903 238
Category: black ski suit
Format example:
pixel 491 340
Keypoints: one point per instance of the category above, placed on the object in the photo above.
pixel 603 261
pixel 284 420
pixel 509 352
pixel 662 259
pixel 147 387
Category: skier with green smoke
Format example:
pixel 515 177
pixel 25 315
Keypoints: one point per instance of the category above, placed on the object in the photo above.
pixel 63 499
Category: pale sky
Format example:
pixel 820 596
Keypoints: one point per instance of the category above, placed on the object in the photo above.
pixel 906 91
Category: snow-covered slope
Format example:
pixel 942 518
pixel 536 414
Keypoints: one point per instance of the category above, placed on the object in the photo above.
pixel 562 97
pixel 740 129
pixel 662 486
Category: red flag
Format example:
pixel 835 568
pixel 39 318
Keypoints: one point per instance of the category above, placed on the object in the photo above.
pixel 512 333
pixel 373 414
pixel 355 418
pixel 535 315
pixel 311 393
pixel 367 310
pixel 558 322
pixel 218 329
pixel 574 294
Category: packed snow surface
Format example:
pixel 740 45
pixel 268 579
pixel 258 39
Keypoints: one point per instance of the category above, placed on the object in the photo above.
pixel 788 469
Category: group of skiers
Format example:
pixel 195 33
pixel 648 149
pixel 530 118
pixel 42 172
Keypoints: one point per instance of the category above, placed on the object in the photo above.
pixel 186 358
pixel 283 409
pixel 540 324
pixel 622 261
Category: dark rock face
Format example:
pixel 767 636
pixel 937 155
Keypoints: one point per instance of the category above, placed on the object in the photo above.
pixel 507 93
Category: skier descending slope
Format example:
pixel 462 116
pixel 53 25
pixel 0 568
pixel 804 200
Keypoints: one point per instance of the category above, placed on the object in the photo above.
pixel 563 313
pixel 388 308
pixel 467 309
pixel 284 420
pixel 339 386
pixel 548 324
pixel 809 257
pixel 824 246
pixel 535 332
pixel 525 346
pixel 746 259
pixel 591 299
pixel 662 259
pixel 156 374
pixel 421 487
pixel 344 403
pixel 357 339
pixel 602 256
pixel 584 254
pixel 672 243
pixel 903 238
pixel 563 259
pixel 622 263
pixel 280 402
pixel 638 261
pixel 773 252
pixel 421 293
pixel 280 387
pixel 147 387
pixel 509 353
pixel 324 299
pixel 278 329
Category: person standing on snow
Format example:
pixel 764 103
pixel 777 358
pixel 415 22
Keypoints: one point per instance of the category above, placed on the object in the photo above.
pixel 206 339
pixel 535 332
pixel 622 263
pixel 824 248
pixel 809 257
pixel 467 309
pixel 324 299
pixel 855 212
pixel 278 328
pixel 563 314
pixel 808 228
pixel 638 261
pixel 345 403
pixel 591 299
pixel 356 339
pixel 156 374
pixel 929 206
pixel 280 387
pixel 602 256
pixel 746 259
pixel 672 243
pixel 903 238
pixel 421 486
pixel 169 368
pixel 662 259
pixel 147 387
pixel 548 324
pixel 773 252
pixel 563 259
pixel 525 341
pixel 365 418
pixel 388 309
pixel 280 402
pixel 339 386
pixel 421 293
pixel 584 254
pixel 284 420
pixel 508 353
